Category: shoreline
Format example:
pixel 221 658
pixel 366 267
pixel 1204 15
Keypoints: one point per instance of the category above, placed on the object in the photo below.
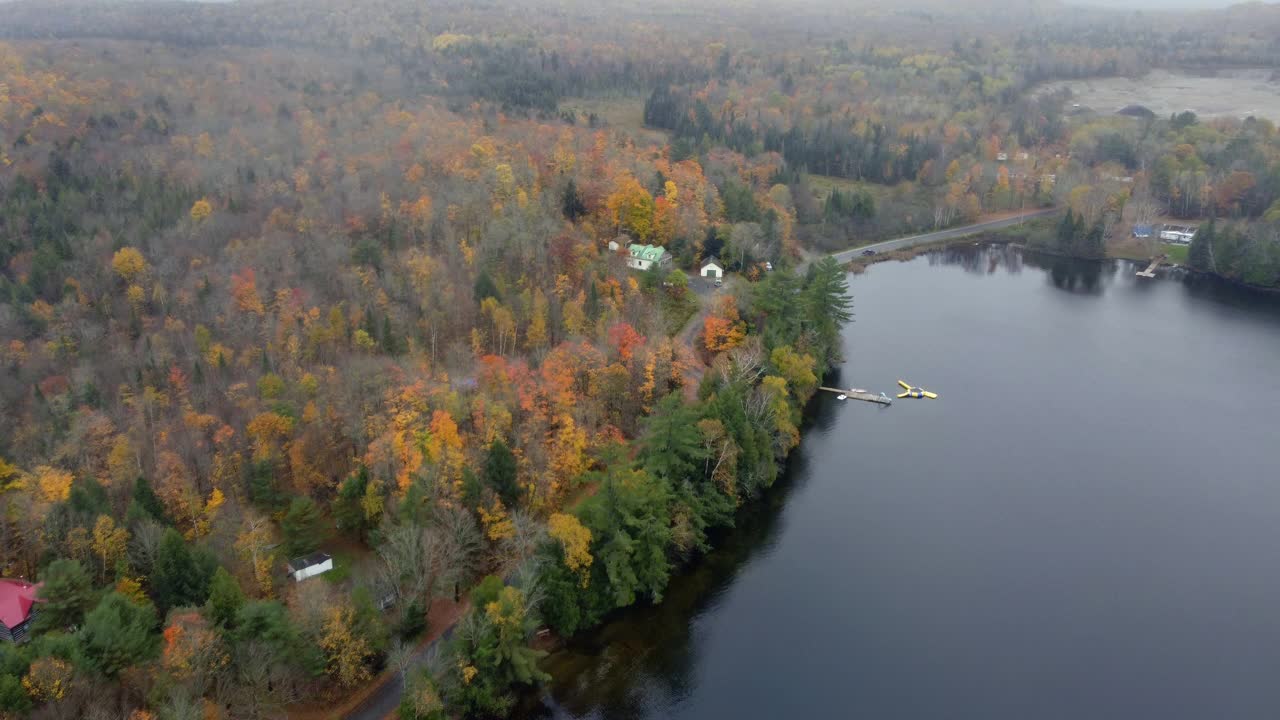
pixel 859 265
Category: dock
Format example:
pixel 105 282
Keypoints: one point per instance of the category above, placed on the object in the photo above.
pixel 860 394
pixel 1150 272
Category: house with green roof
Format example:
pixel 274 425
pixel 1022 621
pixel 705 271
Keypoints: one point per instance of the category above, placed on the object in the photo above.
pixel 644 257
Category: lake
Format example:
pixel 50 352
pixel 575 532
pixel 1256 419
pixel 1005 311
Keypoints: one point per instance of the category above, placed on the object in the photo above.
pixel 1085 524
pixel 1237 93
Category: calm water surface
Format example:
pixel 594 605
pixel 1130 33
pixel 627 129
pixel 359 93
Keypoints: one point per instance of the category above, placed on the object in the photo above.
pixel 1086 524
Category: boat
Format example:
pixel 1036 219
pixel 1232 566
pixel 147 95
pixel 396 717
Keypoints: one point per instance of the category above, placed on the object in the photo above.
pixel 912 391
pixel 842 397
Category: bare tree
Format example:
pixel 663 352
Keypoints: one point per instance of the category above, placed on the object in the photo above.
pixel 400 657
pixel 529 534
pixel 421 562
pixel 144 544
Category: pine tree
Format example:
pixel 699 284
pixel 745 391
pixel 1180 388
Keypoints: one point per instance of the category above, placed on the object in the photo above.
pixel 117 635
pixel 571 203
pixel 389 343
pixel 484 287
pixel 303 527
pixel 348 511
pixel 147 500
pixel 500 472
pixel 1094 245
pixel 225 598
pixel 1200 254
pixel 178 580
pixel 66 593
pixel 827 307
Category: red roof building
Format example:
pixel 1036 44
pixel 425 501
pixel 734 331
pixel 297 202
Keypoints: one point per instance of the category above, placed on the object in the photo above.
pixel 17 608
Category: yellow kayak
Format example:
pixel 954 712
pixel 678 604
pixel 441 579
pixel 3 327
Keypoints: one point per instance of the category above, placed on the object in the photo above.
pixel 915 392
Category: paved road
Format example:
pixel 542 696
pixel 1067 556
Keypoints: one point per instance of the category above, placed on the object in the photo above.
pixel 385 701
pixel 933 237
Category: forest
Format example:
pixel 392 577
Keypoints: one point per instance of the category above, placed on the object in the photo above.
pixel 280 277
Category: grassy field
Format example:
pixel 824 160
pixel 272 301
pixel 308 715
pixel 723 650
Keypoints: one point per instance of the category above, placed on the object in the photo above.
pixel 1176 253
pixel 623 113
pixel 824 184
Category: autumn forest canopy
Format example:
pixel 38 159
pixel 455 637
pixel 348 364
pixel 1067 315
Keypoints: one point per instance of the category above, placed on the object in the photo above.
pixel 288 276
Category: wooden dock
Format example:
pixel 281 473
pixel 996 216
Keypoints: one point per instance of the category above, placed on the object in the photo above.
pixel 1150 272
pixel 860 394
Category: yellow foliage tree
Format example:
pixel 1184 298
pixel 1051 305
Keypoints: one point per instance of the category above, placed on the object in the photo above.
pixel 54 484
pixel 631 208
pixel 48 679
pixel 567 459
pixel 109 542
pixel 256 545
pixel 129 263
pixel 201 210
pixel 345 651
pixel 497 523
pixel 132 589
pixel 575 540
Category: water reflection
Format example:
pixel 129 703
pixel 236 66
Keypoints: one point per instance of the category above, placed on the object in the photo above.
pixel 980 259
pixel 1080 277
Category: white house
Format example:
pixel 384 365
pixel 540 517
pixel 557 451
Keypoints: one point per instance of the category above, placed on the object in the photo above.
pixel 1178 235
pixel 711 269
pixel 310 566
pixel 644 257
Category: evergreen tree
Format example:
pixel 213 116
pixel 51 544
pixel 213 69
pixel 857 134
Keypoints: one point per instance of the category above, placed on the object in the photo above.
pixel 178 578
pixel 225 598
pixel 14 701
pixel 117 634
pixel 484 287
pixel 390 344
pixel 348 508
pixel 67 594
pixel 303 527
pixel 472 489
pixel 367 621
pixel 147 500
pixel 266 624
pixel 828 308
pixel 1200 255
pixel 571 203
pixel 500 472
pixel 1094 245
pixel 263 490
pixel 1067 232
pixel 673 452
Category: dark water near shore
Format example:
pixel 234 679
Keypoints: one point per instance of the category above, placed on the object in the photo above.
pixel 1086 524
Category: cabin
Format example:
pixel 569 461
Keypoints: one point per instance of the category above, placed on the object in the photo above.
pixel 644 257
pixel 711 269
pixel 1143 231
pixel 18 600
pixel 309 566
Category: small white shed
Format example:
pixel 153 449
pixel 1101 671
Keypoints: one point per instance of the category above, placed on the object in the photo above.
pixel 711 269
pixel 309 566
